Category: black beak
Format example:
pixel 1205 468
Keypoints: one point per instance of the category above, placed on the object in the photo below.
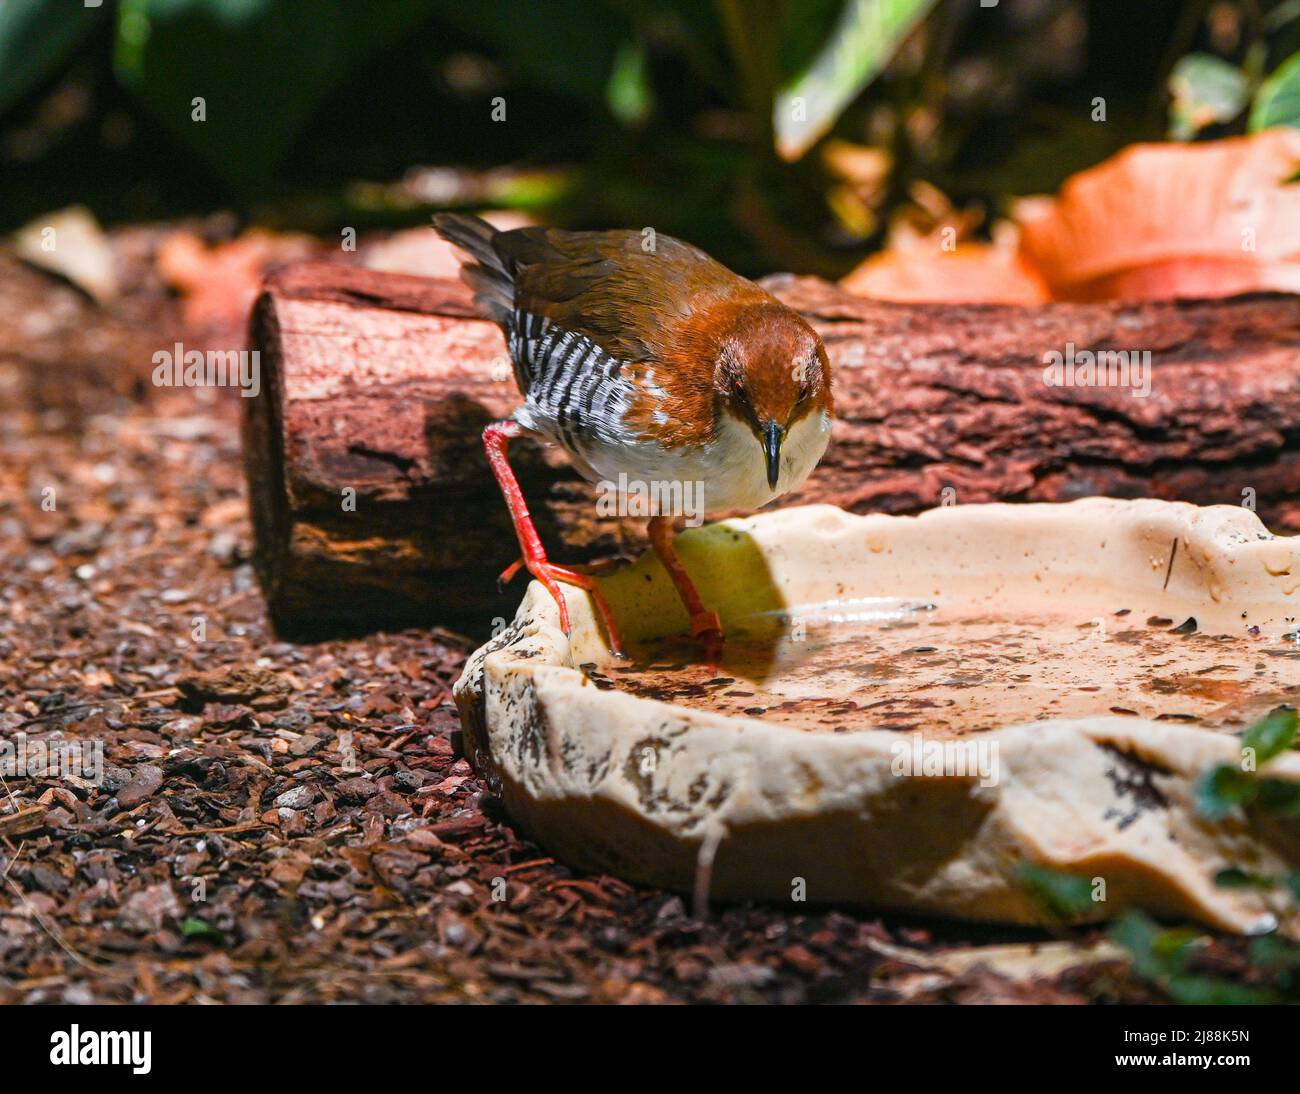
pixel 772 450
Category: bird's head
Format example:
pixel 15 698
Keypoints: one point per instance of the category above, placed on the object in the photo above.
pixel 771 372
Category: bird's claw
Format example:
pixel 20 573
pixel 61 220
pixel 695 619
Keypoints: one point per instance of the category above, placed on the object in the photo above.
pixel 509 574
pixel 706 628
pixel 553 576
pixel 706 625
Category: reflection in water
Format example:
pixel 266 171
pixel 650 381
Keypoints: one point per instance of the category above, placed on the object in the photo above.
pixel 890 664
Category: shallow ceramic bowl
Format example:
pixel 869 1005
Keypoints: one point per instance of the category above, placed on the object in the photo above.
pixel 911 709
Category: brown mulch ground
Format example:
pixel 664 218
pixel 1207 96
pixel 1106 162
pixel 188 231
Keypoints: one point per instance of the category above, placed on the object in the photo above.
pixel 282 822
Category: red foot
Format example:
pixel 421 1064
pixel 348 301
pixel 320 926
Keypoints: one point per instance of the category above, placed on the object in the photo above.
pixel 549 574
pixel 705 624
pixel 706 628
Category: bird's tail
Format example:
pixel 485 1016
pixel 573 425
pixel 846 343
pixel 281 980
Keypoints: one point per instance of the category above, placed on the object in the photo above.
pixel 489 275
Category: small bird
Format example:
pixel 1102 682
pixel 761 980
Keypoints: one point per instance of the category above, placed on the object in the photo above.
pixel 642 357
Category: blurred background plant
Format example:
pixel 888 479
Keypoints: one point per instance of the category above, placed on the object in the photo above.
pixel 778 134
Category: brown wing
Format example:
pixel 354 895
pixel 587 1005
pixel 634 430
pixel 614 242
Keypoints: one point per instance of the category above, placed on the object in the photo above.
pixel 633 302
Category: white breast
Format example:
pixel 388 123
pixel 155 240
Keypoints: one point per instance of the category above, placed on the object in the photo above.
pixel 729 474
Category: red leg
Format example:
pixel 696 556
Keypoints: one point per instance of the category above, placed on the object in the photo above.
pixel 496 439
pixel 705 624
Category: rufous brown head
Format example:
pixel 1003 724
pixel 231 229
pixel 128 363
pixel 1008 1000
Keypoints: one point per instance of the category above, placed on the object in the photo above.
pixel 771 372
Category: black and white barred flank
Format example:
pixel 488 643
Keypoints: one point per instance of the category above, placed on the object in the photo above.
pixel 575 392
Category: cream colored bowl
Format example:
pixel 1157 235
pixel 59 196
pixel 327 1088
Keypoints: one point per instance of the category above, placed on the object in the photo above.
pixel 913 708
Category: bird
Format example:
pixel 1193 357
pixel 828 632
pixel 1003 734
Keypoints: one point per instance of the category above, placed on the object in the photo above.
pixel 643 357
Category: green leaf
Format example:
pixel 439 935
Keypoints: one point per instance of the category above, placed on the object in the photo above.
pixel 1206 91
pixel 628 94
pixel 860 45
pixel 1222 789
pixel 1159 955
pixel 1272 952
pixel 1277 102
pixel 563 46
pixel 1233 878
pixel 1138 934
pixel 1279 796
pixel 261 67
pixel 36 36
pixel 193 927
pixel 1058 894
pixel 1174 943
pixel 1271 735
pixel 1199 991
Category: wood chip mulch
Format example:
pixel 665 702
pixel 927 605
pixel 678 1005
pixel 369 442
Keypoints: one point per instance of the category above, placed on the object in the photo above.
pixel 286 822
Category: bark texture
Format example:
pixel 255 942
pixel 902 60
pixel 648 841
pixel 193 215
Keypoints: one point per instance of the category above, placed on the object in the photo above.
pixel 374 507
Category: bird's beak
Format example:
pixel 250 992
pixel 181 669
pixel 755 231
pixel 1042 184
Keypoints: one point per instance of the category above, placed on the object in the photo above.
pixel 772 450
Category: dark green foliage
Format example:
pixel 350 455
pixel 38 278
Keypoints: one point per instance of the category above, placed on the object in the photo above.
pixel 619 112
pixel 1271 735
pixel 261 66
pixel 1060 896
pixel 36 37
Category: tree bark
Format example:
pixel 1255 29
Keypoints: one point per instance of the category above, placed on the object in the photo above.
pixel 374 507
